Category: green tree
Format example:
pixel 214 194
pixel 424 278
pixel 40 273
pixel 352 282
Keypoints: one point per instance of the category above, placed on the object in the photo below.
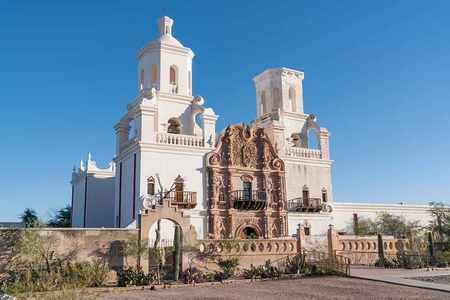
pixel 386 224
pixel 62 218
pixel 440 222
pixel 397 226
pixel 29 218
pixel 364 226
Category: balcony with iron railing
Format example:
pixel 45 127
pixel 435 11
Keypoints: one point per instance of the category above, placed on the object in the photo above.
pixel 313 205
pixel 248 200
pixel 182 199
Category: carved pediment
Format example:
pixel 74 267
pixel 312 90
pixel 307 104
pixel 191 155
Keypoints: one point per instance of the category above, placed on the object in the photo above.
pixel 247 147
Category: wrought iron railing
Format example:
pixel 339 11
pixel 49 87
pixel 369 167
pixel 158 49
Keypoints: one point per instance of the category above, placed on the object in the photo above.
pixel 182 199
pixel 305 205
pixel 248 200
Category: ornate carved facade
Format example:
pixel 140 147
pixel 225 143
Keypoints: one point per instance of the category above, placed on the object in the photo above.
pixel 246 186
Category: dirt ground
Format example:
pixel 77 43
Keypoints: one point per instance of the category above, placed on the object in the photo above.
pixel 444 279
pixel 306 288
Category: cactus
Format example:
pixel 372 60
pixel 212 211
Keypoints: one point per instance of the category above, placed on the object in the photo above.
pixel 178 246
pixel 431 247
pixel 381 259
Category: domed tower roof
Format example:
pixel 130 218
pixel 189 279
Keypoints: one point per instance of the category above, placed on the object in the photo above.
pixel 165 33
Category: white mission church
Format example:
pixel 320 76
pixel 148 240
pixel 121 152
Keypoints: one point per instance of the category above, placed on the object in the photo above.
pixel 266 174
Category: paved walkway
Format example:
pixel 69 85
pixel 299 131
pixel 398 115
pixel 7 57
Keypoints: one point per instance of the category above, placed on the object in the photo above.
pixel 402 276
pixel 310 288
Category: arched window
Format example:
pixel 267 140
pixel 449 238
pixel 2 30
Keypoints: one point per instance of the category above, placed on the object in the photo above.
pixel 276 99
pixel 305 196
pixel 173 75
pixel 179 188
pixel 150 186
pixel 324 195
pixel 263 103
pixel 154 73
pixel 292 100
pixel 247 190
pixel 141 80
pixel 174 126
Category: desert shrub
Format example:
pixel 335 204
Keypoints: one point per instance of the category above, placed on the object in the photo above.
pixel 65 276
pixel 135 276
pixel 228 266
pixel 295 265
pixel 385 263
pixel 266 271
pixel 253 272
pixel 443 259
pixel 88 274
pixel 407 261
pixel 193 274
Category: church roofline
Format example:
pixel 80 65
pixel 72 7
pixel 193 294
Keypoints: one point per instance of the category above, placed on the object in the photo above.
pixel 281 70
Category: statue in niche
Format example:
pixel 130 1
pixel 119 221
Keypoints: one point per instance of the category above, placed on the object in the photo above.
pixel 274 230
pixel 220 228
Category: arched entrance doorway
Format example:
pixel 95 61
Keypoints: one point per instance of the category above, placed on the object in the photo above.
pixel 248 232
pixel 165 242
pixel 150 216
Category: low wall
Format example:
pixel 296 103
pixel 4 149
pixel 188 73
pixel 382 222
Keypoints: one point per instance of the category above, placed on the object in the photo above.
pixel 363 250
pixel 255 252
pixel 79 243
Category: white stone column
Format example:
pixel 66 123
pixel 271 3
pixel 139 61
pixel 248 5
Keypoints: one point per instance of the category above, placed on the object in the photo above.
pixel 146 123
pixel 324 145
pixel 121 135
pixel 209 119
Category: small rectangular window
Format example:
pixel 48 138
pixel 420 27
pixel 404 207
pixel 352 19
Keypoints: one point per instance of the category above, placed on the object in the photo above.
pixel 307 231
pixel 150 188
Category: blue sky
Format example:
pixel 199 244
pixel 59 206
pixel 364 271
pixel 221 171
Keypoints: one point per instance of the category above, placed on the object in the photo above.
pixel 377 75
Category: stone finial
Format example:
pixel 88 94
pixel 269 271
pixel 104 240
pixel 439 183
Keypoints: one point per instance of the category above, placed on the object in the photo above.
pixel 165 26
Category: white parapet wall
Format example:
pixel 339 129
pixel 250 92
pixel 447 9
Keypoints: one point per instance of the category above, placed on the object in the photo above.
pixel 343 212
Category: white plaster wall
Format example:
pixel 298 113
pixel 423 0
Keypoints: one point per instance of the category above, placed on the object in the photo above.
pixel 100 202
pixel 167 232
pixel 168 109
pixel 343 212
pixel 127 190
pixel 78 202
pixel 318 223
pixel 315 177
pixel 292 125
pixel 169 162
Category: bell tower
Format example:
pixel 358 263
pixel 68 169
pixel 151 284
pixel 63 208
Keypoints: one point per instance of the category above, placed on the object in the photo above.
pixel 279 89
pixel 165 64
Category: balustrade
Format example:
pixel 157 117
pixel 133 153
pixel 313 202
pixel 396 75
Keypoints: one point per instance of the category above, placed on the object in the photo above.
pixel 303 152
pixel 179 139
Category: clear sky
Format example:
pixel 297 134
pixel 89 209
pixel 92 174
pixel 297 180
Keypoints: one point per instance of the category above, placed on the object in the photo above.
pixel 377 75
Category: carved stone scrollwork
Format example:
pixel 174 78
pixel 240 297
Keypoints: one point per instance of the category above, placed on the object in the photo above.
pixel 214 159
pixel 245 154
